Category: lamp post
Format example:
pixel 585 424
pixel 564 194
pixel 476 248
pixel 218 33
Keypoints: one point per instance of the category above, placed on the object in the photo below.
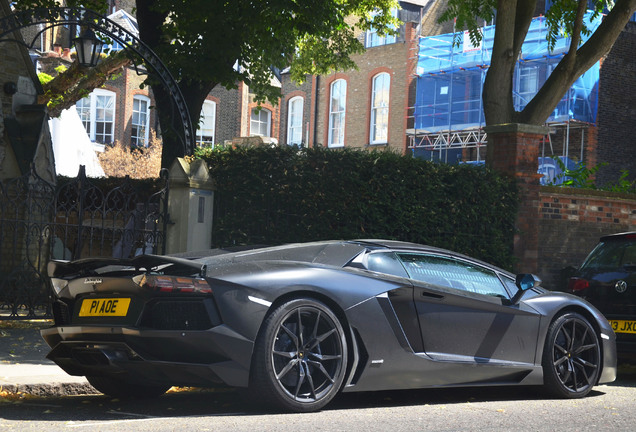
pixel 88 48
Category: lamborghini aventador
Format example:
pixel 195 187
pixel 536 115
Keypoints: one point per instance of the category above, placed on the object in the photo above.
pixel 294 325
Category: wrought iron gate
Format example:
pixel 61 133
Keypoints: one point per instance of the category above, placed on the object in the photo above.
pixel 39 222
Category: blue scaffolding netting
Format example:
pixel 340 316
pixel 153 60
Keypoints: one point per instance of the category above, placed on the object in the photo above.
pixel 450 79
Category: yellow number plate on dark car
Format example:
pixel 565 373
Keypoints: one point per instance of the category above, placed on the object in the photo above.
pixel 622 326
pixel 104 307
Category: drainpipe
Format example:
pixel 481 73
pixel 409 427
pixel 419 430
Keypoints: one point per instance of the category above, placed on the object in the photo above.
pixel 315 96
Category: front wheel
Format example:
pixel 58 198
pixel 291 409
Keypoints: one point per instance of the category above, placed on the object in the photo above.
pixel 300 357
pixel 571 357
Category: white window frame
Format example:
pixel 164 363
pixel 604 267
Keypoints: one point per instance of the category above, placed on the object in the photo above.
pixel 136 139
pixel 89 114
pixel 83 108
pixel 260 121
pixel 295 120
pixel 526 85
pixel 206 133
pixel 337 113
pixel 380 97
pixel 372 39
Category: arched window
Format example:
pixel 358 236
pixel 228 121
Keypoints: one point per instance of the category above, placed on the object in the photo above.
pixel 260 122
pixel 140 121
pixel 379 130
pixel 295 121
pixel 337 109
pixel 97 112
pixel 205 133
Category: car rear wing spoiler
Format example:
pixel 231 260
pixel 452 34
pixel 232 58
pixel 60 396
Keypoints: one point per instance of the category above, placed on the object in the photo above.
pixel 69 269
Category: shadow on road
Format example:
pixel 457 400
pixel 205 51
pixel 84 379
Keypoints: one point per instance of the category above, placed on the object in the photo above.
pixel 227 402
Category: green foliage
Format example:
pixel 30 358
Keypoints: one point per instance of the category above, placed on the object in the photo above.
pixel 560 18
pixel 281 195
pixel 579 177
pixel 44 77
pixel 470 15
pixel 623 184
pixel 582 177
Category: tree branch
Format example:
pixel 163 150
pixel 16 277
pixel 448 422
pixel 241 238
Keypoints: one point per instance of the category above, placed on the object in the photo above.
pixel 568 71
pixel 77 82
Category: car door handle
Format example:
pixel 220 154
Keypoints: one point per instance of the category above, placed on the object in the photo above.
pixel 432 295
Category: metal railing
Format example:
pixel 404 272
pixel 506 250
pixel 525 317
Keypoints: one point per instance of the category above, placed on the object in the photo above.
pixel 39 222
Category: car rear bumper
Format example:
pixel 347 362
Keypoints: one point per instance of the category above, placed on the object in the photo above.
pixel 185 358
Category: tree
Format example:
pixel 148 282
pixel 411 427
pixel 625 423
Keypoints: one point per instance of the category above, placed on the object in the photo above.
pixel 205 43
pixel 512 20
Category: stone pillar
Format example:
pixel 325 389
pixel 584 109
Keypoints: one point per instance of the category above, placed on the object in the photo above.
pixel 190 205
pixel 514 149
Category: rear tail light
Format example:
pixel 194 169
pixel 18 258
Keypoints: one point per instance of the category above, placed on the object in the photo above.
pixel 577 284
pixel 175 284
pixel 58 285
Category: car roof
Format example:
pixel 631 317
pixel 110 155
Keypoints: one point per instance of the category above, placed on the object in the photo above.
pixel 619 236
pixel 330 252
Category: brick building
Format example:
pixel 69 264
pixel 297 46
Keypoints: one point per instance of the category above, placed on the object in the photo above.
pixel 363 108
pixel 373 107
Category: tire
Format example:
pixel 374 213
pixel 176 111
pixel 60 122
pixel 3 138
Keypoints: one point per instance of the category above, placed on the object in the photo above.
pixel 300 357
pixel 571 357
pixel 118 388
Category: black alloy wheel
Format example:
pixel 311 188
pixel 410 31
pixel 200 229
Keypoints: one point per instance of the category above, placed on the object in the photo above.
pixel 571 357
pixel 300 357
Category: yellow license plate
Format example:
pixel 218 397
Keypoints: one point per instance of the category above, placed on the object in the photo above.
pixel 623 326
pixel 104 307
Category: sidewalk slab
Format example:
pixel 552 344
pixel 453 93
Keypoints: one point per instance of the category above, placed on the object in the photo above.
pixel 42 380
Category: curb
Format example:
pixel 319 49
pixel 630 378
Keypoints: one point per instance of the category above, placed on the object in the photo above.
pixel 44 390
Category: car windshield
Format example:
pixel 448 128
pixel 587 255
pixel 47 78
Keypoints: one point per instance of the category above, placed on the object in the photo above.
pixel 612 254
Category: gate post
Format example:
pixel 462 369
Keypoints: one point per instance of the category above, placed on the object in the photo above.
pixel 513 149
pixel 190 205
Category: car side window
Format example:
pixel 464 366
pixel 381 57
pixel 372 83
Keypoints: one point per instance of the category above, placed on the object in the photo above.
pixel 453 273
pixel 387 263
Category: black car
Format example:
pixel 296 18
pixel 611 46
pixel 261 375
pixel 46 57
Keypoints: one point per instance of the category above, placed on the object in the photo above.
pixel 297 324
pixel 607 279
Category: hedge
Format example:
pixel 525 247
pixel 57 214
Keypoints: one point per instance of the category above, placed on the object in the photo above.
pixel 276 195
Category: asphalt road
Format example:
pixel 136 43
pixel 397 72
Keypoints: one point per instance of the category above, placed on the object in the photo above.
pixel 609 407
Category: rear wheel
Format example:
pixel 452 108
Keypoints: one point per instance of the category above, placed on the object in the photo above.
pixel 115 387
pixel 571 357
pixel 300 357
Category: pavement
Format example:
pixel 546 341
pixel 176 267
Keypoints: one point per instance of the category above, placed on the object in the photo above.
pixel 24 368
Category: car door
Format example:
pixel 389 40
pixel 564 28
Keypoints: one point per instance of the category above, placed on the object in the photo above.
pixel 465 313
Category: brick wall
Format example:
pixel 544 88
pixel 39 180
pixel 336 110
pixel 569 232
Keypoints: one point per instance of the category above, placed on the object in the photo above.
pixel 125 87
pixel 570 224
pixel 228 113
pixel 616 108
pixel 290 90
pixel 392 58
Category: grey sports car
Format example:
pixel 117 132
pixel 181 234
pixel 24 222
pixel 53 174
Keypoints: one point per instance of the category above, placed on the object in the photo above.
pixel 294 325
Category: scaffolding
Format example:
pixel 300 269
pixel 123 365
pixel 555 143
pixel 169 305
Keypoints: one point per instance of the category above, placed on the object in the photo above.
pixel 446 123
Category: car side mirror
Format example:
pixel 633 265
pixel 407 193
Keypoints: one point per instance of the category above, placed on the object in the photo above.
pixel 524 282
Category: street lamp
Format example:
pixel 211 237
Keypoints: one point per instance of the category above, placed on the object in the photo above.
pixel 88 48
